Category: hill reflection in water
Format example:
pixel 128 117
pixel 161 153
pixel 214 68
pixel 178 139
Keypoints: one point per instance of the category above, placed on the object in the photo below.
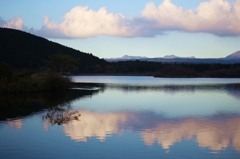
pixel 16 106
pixel 231 89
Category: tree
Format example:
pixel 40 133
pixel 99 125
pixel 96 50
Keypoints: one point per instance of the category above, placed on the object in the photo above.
pixel 62 63
pixel 5 71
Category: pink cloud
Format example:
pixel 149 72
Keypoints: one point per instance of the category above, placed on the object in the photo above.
pixel 15 23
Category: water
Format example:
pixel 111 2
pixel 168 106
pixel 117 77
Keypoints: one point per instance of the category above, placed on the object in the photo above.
pixel 125 117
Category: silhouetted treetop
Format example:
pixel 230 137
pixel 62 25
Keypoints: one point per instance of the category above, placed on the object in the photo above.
pixel 62 63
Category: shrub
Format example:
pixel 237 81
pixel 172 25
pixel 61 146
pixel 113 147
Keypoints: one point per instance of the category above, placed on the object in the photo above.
pixel 35 82
pixel 49 82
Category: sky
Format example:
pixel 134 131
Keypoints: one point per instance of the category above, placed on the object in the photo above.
pixel 114 28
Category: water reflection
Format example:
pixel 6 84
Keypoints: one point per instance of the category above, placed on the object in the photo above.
pixel 20 105
pixel 16 124
pixel 216 133
pixel 93 124
pixel 151 81
pixel 61 116
pixel 231 89
pixel 123 121
pixel 210 133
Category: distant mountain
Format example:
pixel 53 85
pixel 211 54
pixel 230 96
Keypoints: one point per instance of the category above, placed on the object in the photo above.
pixel 233 58
pixel 133 57
pixel 126 57
pixel 170 57
pixel 26 51
pixel 174 57
pixel 233 55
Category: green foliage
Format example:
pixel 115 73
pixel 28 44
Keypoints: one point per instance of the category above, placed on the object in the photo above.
pixel 62 63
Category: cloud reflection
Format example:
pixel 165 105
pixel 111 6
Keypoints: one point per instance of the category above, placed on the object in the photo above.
pixel 16 124
pixel 216 133
pixel 94 124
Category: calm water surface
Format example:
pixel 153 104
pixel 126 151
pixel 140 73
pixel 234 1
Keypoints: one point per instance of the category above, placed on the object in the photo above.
pixel 125 117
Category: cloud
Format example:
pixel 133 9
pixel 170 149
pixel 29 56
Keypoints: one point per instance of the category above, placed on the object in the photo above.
pixel 82 22
pixel 218 17
pixel 15 23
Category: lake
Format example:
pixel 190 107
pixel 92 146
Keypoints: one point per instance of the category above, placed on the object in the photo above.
pixel 125 117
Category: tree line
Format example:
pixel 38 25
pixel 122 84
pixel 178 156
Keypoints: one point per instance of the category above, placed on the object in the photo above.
pixel 159 69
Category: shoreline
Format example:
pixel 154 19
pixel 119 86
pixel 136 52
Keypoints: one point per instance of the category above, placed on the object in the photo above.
pixel 146 75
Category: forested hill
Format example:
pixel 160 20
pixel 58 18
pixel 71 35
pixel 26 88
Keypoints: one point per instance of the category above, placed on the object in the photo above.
pixel 24 50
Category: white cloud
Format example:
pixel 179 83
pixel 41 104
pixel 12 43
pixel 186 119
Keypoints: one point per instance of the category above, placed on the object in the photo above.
pixel 216 16
pixel 83 22
pixel 15 23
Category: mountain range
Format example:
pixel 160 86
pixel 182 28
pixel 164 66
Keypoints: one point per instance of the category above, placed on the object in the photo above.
pixel 232 58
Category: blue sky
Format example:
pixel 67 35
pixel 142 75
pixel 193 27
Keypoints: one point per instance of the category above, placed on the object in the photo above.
pixel 200 28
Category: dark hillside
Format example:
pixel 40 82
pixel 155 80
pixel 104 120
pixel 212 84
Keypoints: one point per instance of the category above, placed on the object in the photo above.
pixel 26 51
